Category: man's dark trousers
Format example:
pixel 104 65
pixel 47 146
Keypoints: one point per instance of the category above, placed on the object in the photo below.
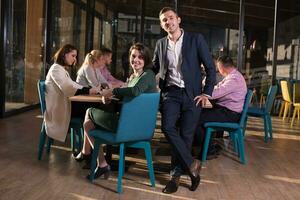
pixel 177 105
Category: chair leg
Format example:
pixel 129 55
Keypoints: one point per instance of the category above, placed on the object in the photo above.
pixel 269 119
pixel 206 143
pixel 262 100
pixel 290 110
pixel 281 109
pixel 234 140
pixel 81 138
pixel 94 159
pixel 245 125
pixel 294 116
pixel 72 139
pixel 42 142
pixel 286 108
pixel 121 167
pixel 278 106
pixel 148 154
pixel 50 142
pixel 77 139
pixel 241 146
pixel 266 128
pixel 254 99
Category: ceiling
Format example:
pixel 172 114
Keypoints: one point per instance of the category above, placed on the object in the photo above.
pixel 225 13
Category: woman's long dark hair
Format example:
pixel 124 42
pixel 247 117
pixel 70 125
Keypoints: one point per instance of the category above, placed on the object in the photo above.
pixel 59 56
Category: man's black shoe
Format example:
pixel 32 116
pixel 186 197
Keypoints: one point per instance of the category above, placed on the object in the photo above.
pixel 172 185
pixel 195 182
pixel 195 169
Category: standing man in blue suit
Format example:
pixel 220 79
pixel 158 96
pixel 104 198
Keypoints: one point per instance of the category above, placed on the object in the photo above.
pixel 177 59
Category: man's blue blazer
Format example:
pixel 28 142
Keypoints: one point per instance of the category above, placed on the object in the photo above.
pixel 194 54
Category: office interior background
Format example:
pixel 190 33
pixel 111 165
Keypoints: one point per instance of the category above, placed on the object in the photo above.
pixel 262 36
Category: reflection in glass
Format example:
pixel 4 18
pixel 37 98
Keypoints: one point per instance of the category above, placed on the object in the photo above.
pixel 107 34
pixel 23 64
pixel 69 28
pixel 97 33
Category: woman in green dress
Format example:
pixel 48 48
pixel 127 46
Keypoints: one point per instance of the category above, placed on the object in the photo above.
pixel 142 80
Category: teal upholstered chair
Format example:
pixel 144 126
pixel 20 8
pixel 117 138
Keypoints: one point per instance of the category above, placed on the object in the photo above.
pixel 236 131
pixel 264 112
pixel 76 129
pixel 135 129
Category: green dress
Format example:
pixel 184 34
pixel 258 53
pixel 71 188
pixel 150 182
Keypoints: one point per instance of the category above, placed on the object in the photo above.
pixel 108 118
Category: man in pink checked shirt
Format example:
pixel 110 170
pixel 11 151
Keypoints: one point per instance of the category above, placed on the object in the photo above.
pixel 113 82
pixel 227 99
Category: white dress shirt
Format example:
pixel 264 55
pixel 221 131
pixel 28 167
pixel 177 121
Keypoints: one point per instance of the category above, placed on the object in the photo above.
pixel 174 57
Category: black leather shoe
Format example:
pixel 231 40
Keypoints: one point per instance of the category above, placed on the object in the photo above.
pixel 81 157
pixel 172 185
pixel 101 171
pixel 195 182
pixel 195 169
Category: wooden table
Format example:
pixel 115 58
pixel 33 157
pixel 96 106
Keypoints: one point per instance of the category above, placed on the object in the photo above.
pixel 86 98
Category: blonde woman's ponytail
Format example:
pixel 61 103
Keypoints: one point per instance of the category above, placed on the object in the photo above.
pixel 92 57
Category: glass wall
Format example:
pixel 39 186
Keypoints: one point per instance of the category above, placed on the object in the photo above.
pixel 98 25
pixel 23 58
pixel 69 27
pixel 288 37
pixel 258 40
pixel 152 32
pixel 107 34
pixel 24 27
pixel 97 33
pixel 126 27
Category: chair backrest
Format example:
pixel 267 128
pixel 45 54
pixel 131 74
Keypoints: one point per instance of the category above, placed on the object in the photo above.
pixel 41 90
pixel 245 108
pixel 138 118
pixel 296 92
pixel 285 91
pixel 270 98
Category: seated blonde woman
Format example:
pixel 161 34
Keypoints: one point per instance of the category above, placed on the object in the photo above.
pixel 141 81
pixel 89 73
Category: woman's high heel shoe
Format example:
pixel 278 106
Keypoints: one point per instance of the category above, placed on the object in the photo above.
pixel 101 171
pixel 81 157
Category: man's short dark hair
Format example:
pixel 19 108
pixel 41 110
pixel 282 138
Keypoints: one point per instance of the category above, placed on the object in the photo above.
pixel 166 9
pixel 226 61
pixel 106 51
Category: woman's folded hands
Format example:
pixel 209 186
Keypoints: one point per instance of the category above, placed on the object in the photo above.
pixel 95 90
